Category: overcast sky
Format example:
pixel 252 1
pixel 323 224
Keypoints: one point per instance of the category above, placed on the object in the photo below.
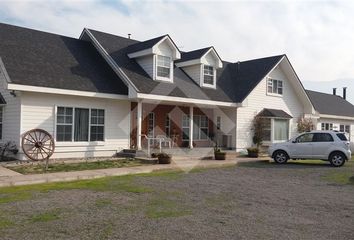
pixel 317 36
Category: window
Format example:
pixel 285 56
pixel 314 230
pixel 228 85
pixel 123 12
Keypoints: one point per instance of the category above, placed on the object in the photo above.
pixel 163 67
pixel 1 113
pixel 79 124
pixel 342 137
pixel 64 124
pixel 305 138
pixel 322 137
pixel 327 126
pixel 281 129
pixel 168 126
pixel 218 123
pixel 185 127
pixel 151 124
pixel 208 75
pixel 267 129
pixel 97 125
pixel 200 127
pixel 275 86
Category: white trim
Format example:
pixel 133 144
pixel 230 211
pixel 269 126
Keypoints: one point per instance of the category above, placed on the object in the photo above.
pixel 110 60
pixel 201 60
pixel 202 83
pixel 165 79
pixel 141 53
pixel 27 88
pixel 188 63
pixel 336 117
pixel 186 100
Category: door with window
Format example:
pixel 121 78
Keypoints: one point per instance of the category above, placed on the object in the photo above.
pixel 302 147
pixel 320 144
pixel 151 125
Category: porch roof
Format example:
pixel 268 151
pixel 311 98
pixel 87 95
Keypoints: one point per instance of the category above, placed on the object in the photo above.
pixel 274 113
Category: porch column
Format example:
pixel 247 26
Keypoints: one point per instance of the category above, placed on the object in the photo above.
pixel 191 127
pixel 138 125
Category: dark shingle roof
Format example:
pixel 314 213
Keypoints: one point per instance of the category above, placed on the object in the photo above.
pixel 234 81
pixel 274 113
pixel 48 60
pixel 2 100
pixel 138 46
pixel 330 104
pixel 195 54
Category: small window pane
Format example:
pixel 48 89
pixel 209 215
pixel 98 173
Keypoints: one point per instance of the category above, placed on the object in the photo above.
pixel 305 138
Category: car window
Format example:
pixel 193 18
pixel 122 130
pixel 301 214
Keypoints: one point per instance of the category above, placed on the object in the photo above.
pixel 322 137
pixel 305 138
pixel 342 136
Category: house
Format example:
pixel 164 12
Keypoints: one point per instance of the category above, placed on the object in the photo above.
pixel 333 112
pixel 102 93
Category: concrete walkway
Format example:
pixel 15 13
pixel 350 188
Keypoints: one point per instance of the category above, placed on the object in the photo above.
pixel 11 178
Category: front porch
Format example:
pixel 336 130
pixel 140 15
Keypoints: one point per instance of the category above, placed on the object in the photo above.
pixel 181 126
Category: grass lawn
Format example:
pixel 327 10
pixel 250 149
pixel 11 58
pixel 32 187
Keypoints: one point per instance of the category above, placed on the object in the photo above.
pixel 264 200
pixel 69 167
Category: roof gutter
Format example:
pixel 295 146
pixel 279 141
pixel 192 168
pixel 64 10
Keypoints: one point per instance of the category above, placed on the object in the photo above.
pixel 336 117
pixel 154 97
pixel 109 59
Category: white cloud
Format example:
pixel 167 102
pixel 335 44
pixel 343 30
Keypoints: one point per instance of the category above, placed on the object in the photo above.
pixel 317 36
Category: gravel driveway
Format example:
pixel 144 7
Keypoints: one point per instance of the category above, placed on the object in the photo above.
pixel 250 201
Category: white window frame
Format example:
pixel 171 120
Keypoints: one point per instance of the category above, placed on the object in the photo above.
pixel 185 119
pixel 157 77
pixel 73 125
pixel 168 125
pixel 1 121
pixel 275 92
pixel 97 124
pixel 272 130
pixel 327 126
pixel 346 128
pixel 151 127
pixel 203 84
pixel 197 125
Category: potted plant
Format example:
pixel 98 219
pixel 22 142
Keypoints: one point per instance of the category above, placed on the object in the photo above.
pixel 253 152
pixel 218 154
pixel 164 158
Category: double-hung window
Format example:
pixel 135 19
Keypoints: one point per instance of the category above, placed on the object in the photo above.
pixel 208 75
pixel 275 86
pixel 79 124
pixel 97 125
pixel 163 67
pixel 185 127
pixel 200 127
pixel 167 125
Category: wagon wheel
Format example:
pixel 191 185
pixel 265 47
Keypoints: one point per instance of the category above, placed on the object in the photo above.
pixel 38 144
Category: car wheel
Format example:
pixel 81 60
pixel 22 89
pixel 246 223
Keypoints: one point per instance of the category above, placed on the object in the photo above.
pixel 337 159
pixel 280 157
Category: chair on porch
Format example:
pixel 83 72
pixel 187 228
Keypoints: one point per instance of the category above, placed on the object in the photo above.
pixel 164 140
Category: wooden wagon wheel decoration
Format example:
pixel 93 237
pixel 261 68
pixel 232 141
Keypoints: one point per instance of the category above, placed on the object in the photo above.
pixel 38 145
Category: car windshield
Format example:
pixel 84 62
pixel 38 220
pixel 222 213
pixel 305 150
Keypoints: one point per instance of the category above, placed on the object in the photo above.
pixel 342 136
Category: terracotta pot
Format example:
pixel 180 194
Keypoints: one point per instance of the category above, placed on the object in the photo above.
pixel 164 160
pixel 220 155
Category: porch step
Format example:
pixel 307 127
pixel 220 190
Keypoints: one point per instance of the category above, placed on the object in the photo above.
pixel 131 153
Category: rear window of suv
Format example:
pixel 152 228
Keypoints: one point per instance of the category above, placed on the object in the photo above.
pixel 342 136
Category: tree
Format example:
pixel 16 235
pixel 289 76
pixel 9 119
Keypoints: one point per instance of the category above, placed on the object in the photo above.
pixel 258 130
pixel 305 125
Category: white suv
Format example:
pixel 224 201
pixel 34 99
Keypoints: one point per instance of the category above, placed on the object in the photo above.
pixel 325 145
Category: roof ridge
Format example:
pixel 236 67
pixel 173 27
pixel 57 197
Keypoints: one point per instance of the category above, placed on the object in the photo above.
pixel 39 31
pixel 281 55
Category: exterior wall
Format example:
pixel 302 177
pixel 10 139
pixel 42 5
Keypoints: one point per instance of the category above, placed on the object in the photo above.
pixel 11 114
pixel 38 111
pixel 209 59
pixel 194 72
pixel 336 123
pixel 147 63
pixel 258 99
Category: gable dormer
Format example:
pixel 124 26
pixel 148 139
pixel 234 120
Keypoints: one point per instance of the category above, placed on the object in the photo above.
pixel 201 66
pixel 156 56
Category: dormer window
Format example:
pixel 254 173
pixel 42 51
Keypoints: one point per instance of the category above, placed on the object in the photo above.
pixel 163 67
pixel 208 75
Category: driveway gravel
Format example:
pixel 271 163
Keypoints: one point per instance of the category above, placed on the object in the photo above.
pixel 249 201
